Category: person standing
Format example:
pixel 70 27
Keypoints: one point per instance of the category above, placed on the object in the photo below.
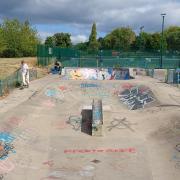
pixel 25 74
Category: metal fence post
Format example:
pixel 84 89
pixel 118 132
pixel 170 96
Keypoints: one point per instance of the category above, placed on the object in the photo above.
pixel 1 92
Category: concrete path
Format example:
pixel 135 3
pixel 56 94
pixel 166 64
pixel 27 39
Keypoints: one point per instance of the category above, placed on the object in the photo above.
pixel 45 139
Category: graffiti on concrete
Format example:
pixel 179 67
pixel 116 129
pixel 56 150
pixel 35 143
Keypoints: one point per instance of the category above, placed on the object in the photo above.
pixel 1 176
pixel 6 145
pixel 176 156
pixel 100 150
pixel 75 122
pixel 177 147
pixel 48 103
pixel 136 97
pixel 11 123
pixel 63 88
pixel 26 136
pixel 60 125
pixel 97 74
pixel 121 123
pixel 55 94
pixel 98 92
pixel 6 137
pixel 6 166
pixel 5 149
pixel 89 85
pixel 49 163
pixel 51 93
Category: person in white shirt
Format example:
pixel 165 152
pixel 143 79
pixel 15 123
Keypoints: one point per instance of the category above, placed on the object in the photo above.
pixel 25 74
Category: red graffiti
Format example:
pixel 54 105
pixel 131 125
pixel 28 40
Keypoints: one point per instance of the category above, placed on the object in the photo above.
pixel 62 88
pixel 70 151
pixel 49 163
pixel 127 86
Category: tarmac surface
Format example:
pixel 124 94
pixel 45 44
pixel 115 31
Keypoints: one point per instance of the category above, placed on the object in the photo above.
pixel 41 138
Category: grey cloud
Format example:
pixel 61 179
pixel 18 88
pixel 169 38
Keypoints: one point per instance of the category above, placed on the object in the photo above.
pixel 108 14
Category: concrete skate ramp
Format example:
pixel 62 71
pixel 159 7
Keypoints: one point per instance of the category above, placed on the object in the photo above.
pixel 42 137
pixel 97 73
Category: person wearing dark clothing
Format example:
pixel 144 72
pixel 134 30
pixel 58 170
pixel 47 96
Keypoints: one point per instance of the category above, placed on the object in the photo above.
pixel 57 68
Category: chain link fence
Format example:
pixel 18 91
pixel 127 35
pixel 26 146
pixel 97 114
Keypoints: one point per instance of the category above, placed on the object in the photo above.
pixel 105 58
pixel 14 80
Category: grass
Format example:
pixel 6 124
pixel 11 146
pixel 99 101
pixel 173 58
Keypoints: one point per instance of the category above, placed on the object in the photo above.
pixel 10 65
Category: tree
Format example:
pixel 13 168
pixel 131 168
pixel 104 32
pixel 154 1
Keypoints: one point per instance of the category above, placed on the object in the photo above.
pixel 2 43
pixel 93 43
pixel 120 38
pixel 62 40
pixel 50 41
pixel 81 46
pixel 20 39
pixel 29 40
pixel 172 35
pixel 11 30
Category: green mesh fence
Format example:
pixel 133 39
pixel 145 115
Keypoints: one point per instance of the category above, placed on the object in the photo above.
pixel 14 80
pixel 105 58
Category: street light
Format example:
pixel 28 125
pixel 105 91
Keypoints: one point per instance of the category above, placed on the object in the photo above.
pixel 161 60
pixel 141 30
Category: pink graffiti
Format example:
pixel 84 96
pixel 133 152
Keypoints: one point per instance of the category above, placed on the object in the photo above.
pixel 11 123
pixel 60 125
pixel 127 86
pixel 6 166
pixel 62 88
pixel 15 121
pixel 48 103
pixel 49 163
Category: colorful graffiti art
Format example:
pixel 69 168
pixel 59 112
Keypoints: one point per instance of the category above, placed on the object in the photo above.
pixel 6 145
pixel 136 97
pixel 97 74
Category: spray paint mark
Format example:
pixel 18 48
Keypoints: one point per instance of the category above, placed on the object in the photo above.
pixel 75 122
pixel 5 149
pixel 6 137
pixel 136 97
pixel 6 166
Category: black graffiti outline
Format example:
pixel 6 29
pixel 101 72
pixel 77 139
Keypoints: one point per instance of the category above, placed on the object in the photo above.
pixel 121 123
pixel 177 147
pixel 75 122
pixel 134 98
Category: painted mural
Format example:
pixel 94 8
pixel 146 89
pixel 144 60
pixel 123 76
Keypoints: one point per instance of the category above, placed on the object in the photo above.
pixel 97 74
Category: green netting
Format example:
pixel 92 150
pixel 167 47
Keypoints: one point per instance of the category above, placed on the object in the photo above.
pixel 14 80
pixel 105 58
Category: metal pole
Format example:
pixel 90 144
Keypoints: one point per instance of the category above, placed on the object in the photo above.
pixel 161 60
pixel 141 30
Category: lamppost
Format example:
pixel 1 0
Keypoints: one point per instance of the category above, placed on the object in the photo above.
pixel 161 60
pixel 141 30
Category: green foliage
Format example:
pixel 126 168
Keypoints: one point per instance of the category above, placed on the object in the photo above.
pixel 3 44
pixel 62 40
pixel 81 46
pixel 50 41
pixel 172 35
pixel 120 38
pixel 17 39
pixel 93 43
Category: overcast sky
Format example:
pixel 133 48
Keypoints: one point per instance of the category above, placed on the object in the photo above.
pixel 76 16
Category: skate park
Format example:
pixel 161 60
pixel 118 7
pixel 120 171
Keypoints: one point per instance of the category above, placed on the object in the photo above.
pixel 92 122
